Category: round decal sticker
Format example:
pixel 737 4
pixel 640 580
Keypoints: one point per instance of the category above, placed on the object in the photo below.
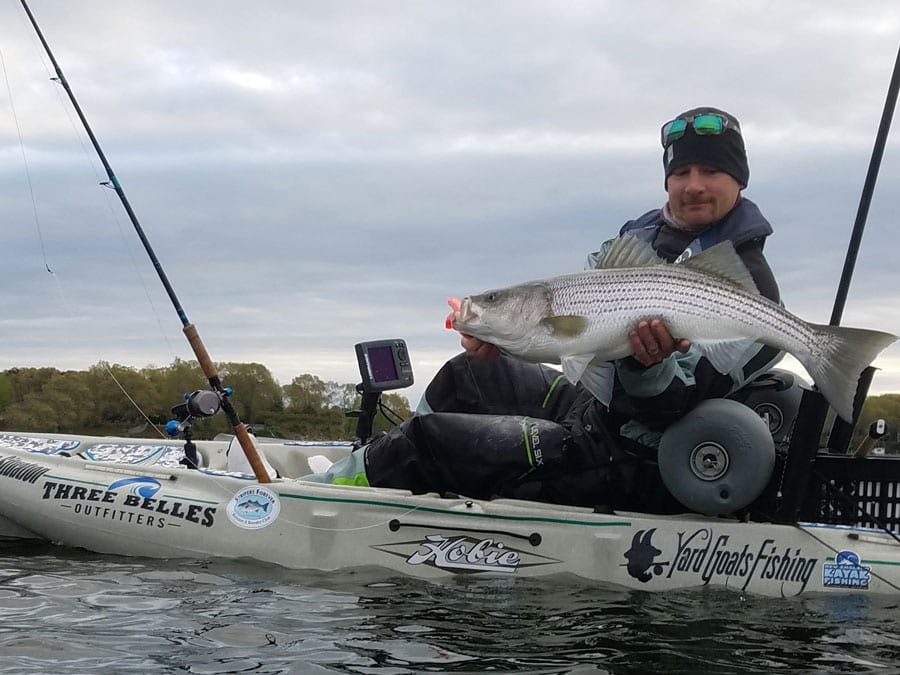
pixel 253 507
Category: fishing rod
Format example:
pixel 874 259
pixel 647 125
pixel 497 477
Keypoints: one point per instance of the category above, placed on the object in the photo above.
pixel 841 431
pixel 190 331
pixel 866 198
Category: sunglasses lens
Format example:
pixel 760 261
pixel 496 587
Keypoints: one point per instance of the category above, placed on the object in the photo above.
pixel 708 124
pixel 672 131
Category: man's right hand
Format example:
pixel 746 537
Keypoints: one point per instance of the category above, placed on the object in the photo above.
pixel 652 342
pixel 478 349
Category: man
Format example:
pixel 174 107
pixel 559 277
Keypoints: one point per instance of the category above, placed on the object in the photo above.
pixel 490 425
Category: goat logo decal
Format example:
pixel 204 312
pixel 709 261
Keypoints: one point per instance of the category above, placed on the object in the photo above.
pixel 642 556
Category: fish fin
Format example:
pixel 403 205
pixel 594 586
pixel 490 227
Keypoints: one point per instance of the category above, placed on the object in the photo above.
pixel 573 366
pixel 567 325
pixel 723 261
pixel 724 355
pixel 838 357
pixel 628 251
pixel 597 376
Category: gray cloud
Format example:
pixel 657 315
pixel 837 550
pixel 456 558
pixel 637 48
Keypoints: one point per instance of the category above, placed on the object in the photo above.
pixel 315 174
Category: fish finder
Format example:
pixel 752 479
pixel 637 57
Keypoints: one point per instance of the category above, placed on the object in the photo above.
pixel 384 365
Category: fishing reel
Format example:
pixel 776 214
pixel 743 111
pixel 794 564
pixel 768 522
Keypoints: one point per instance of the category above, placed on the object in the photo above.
pixel 197 405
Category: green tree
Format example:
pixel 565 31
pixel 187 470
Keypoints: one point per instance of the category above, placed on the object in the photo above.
pixel 342 396
pixel 257 396
pixel 6 392
pixel 305 393
pixel 29 380
pixel 63 404
pixel 32 414
pixel 125 399
pixel 177 380
pixel 886 407
pixel 114 399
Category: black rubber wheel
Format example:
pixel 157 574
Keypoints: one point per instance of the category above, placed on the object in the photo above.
pixel 718 458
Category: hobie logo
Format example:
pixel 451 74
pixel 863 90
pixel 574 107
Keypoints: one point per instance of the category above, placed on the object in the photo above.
pixel 253 508
pixel 463 553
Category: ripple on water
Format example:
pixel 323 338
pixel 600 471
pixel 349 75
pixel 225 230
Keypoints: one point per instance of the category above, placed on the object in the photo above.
pixel 66 611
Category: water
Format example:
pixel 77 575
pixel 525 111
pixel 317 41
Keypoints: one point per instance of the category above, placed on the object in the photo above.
pixel 68 611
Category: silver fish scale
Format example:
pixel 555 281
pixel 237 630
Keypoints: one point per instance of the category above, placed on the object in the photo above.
pixel 690 302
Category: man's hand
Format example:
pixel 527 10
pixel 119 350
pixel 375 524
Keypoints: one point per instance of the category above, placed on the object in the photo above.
pixel 478 349
pixel 652 342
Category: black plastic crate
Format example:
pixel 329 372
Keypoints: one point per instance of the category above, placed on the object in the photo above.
pixel 844 490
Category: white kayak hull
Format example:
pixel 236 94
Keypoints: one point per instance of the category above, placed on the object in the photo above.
pixel 66 489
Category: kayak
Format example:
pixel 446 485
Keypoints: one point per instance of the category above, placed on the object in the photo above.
pixel 136 497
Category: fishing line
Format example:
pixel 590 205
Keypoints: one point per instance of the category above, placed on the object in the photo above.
pixel 37 221
pixel 190 331
pixel 853 500
pixel 89 157
pixel 836 551
pixel 386 411
pixel 34 211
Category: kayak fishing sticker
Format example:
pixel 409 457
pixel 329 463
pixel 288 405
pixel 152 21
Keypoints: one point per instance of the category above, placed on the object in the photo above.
pixel 846 572
pixel 253 508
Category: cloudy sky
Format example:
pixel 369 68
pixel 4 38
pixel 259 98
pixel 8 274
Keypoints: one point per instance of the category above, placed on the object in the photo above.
pixel 314 174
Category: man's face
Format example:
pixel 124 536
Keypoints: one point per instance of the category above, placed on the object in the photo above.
pixel 700 194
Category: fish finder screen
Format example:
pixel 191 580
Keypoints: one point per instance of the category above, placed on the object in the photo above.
pixel 381 364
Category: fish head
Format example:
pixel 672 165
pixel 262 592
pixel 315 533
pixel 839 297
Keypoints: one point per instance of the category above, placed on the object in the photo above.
pixel 506 317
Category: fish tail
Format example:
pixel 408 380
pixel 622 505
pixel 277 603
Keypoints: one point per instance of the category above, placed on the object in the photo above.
pixel 838 356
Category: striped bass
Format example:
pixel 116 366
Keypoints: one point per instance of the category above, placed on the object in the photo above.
pixel 582 320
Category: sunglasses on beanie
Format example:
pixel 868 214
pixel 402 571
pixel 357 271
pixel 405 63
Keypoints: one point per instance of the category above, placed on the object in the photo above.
pixel 706 124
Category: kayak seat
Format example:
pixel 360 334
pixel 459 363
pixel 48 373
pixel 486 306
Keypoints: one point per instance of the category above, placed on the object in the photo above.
pixel 774 396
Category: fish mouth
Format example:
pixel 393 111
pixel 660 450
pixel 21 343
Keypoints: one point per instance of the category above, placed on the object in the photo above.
pixel 466 311
pixel 462 315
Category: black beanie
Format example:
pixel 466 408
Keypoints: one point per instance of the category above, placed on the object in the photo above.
pixel 724 151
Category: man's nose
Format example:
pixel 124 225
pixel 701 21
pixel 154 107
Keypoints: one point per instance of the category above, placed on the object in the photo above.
pixel 695 182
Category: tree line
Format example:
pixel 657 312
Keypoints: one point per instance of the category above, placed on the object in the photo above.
pixel 886 407
pixel 116 400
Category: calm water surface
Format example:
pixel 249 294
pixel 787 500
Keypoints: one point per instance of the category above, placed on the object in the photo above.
pixel 67 611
